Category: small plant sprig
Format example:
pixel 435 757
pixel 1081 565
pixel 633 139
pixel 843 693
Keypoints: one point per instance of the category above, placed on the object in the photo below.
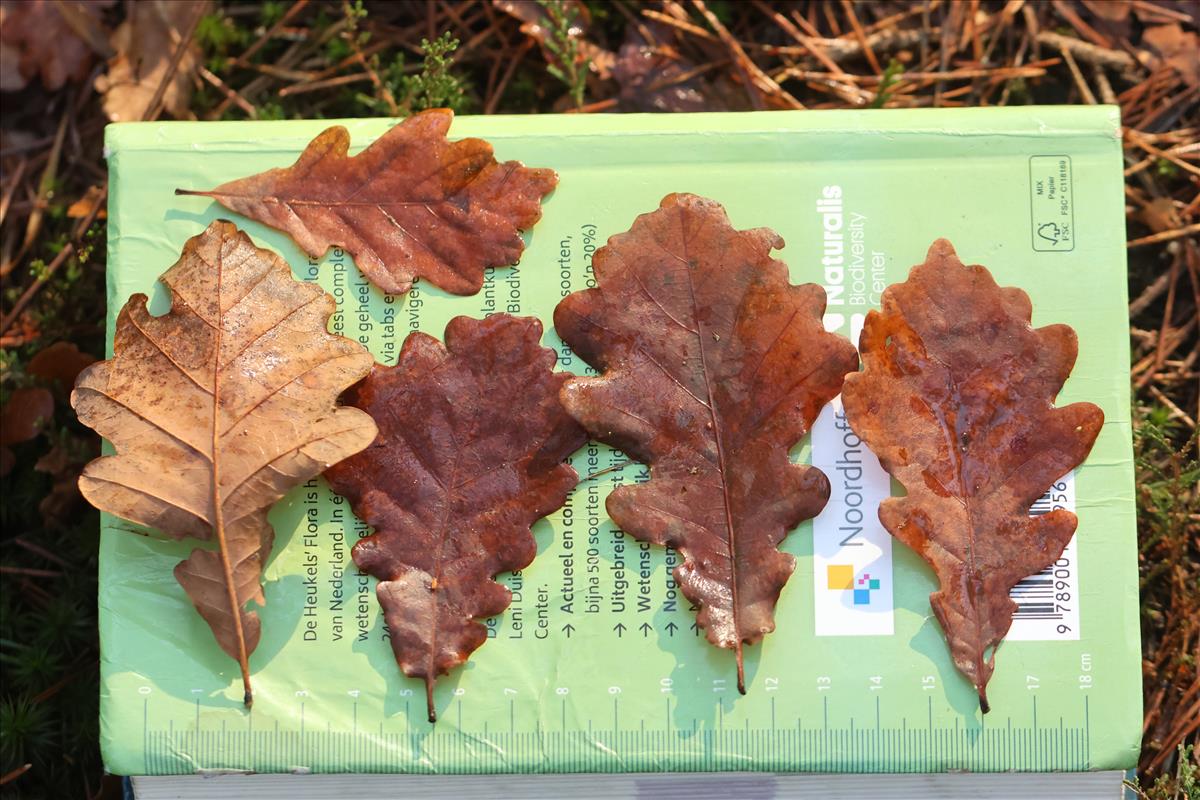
pixel 572 66
pixel 1184 784
pixel 435 86
pixel 887 82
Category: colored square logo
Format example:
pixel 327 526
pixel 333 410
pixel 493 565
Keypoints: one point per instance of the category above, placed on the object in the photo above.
pixel 840 576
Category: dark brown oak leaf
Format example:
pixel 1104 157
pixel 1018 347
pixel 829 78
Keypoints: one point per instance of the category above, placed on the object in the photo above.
pixel 469 455
pixel 413 204
pixel 714 366
pixel 216 409
pixel 956 400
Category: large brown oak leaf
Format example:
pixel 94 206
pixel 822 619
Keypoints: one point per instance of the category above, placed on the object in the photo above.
pixel 216 409
pixel 413 204
pixel 714 366
pixel 471 443
pixel 956 400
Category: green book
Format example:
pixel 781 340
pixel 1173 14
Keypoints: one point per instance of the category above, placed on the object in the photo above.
pixel 598 666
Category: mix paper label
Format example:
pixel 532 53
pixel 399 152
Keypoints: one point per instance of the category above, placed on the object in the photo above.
pixel 598 665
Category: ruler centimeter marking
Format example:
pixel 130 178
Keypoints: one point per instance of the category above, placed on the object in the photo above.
pixel 852 747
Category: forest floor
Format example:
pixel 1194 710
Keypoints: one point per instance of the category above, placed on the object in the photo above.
pixel 68 68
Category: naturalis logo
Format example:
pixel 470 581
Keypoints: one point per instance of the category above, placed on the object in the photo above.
pixel 853 273
pixel 847 531
pixel 841 578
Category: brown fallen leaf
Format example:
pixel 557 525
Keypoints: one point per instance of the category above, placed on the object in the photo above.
pixel 1170 44
pixel 654 76
pixel 85 205
pixel 61 361
pixel 144 45
pixel 537 24
pixel 1160 214
pixel 956 400
pixel 412 204
pixel 25 414
pixel 22 330
pixel 216 409
pixel 22 418
pixel 63 463
pixel 47 38
pixel 714 366
pixel 469 455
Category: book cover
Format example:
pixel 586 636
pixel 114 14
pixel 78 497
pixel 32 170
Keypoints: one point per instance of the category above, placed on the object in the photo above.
pixel 598 665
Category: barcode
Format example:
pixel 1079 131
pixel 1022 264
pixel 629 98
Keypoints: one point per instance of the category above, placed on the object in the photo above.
pixel 1044 504
pixel 1048 602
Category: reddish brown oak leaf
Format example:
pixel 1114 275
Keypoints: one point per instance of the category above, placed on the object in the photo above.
pixel 25 415
pixel 216 409
pixel 469 455
pixel 61 361
pixel 956 400
pixel 413 204
pixel 713 367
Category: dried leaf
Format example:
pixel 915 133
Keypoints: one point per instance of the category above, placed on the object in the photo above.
pixel 537 24
pixel 217 409
pixel 535 21
pixel 653 81
pixel 144 45
pixel 38 37
pixel 87 204
pixel 714 367
pixel 1172 45
pixel 22 331
pixel 653 76
pixel 412 204
pixel 1159 215
pixel 61 361
pixel 23 417
pixel 956 400
pixel 469 456
pixel 63 463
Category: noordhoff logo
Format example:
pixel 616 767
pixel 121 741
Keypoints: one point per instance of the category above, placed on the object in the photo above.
pixel 841 578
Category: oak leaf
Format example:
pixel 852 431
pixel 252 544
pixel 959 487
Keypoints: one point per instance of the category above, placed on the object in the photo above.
pixel 1170 44
pixel 714 366
pixel 61 361
pixel 413 204
pixel 653 75
pixel 26 414
pixel 469 456
pixel 216 409
pixel 143 46
pixel 956 400
pixel 55 40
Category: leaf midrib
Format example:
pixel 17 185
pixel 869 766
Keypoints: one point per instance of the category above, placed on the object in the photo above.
pixel 718 439
pixel 958 460
pixel 218 524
